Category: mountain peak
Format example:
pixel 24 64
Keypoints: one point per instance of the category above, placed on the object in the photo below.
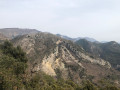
pixel 13 32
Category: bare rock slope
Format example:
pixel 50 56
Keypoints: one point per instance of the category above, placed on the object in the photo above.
pixel 61 58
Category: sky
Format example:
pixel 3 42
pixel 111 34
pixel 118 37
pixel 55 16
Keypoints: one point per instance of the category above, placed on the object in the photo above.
pixel 99 19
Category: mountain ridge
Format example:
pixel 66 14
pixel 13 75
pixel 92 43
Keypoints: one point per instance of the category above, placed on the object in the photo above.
pixel 61 58
pixel 76 39
pixel 13 32
pixel 109 51
pixel 59 54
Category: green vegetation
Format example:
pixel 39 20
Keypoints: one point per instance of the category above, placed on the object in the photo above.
pixel 13 75
pixel 12 66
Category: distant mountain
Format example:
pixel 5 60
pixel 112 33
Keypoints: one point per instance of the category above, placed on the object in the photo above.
pixel 104 41
pixel 76 39
pixel 89 39
pixel 65 37
pixel 109 51
pixel 13 32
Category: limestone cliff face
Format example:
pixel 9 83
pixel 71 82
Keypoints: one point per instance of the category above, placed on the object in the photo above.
pixel 57 57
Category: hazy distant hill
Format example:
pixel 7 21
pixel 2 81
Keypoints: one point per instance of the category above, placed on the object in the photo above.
pixel 109 51
pixel 13 32
pixel 76 39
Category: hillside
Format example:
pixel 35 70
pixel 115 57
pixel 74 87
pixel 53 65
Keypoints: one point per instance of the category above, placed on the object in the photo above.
pixel 109 51
pixel 13 32
pixel 61 58
pixel 14 75
pixel 52 62
pixel 2 37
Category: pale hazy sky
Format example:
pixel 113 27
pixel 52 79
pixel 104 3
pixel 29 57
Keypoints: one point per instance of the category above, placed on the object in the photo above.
pixel 99 19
